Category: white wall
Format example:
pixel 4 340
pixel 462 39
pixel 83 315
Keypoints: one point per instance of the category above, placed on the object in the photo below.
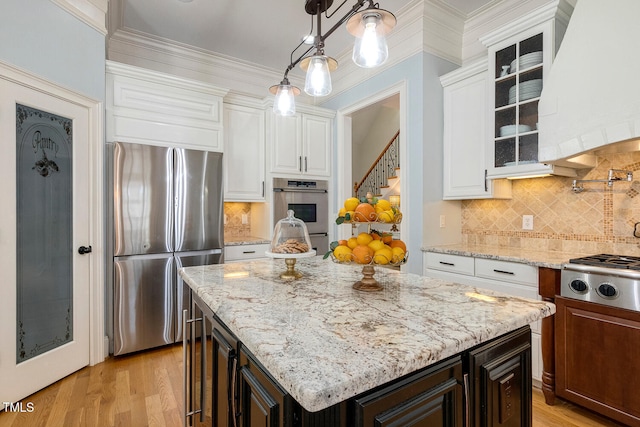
pixel 41 37
pixel 422 137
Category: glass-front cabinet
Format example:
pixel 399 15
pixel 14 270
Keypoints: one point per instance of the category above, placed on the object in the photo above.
pixel 520 57
pixel 518 75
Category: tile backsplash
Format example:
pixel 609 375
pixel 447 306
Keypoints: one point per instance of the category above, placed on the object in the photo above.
pixel 601 219
pixel 234 213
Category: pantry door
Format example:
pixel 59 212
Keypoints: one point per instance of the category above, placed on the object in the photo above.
pixel 44 280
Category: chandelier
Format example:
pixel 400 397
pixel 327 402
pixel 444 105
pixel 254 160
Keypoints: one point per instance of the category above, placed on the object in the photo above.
pixel 368 25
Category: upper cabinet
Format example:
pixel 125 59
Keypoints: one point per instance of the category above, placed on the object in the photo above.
pixel 301 144
pixel 520 57
pixel 148 107
pixel 465 147
pixel 244 153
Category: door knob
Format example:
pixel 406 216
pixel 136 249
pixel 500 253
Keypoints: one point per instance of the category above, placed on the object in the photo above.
pixel 84 250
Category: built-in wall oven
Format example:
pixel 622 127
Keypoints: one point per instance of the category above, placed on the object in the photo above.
pixel 309 200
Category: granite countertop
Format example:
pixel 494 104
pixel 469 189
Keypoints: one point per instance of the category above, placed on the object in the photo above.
pixel 549 259
pixel 245 240
pixel 325 342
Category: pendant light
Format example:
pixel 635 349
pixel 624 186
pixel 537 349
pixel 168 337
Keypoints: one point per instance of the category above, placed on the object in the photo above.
pixel 369 26
pixel 318 68
pixel 284 102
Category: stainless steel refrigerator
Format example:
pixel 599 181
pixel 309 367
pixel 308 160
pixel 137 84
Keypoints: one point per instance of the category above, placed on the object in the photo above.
pixel 167 213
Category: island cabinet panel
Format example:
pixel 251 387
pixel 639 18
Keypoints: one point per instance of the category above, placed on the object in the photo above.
pixel 500 378
pixel 262 402
pixel 433 397
pixel 227 386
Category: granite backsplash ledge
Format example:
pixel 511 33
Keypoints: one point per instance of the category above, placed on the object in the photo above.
pixel 599 220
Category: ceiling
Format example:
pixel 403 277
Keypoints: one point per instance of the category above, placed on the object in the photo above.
pixel 261 33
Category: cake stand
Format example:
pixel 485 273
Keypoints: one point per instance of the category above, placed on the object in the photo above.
pixel 290 260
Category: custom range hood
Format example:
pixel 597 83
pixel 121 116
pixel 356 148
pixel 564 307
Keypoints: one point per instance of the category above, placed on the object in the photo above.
pixel 591 97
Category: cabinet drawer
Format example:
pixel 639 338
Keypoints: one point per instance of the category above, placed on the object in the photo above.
pixel 453 263
pixel 242 252
pixel 505 271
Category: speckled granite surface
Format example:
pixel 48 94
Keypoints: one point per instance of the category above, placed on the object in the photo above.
pixel 325 342
pixel 245 240
pixel 549 259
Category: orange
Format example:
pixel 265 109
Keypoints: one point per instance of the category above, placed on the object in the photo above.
pixel 387 238
pixel 364 238
pixel 342 243
pixel 362 254
pixel 365 213
pixel 398 244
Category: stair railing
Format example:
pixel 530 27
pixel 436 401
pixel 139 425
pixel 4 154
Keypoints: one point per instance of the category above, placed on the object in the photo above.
pixel 381 170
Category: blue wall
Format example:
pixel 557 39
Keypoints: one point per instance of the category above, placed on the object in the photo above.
pixel 46 40
pixel 424 124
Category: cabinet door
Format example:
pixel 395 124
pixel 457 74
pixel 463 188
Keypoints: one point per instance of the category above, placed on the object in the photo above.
pixel 244 150
pixel 286 145
pixel 465 121
pixel 224 366
pixel 317 145
pixel 597 351
pixel 262 402
pixel 500 374
pixel 432 397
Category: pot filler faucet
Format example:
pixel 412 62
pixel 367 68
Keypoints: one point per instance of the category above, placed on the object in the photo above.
pixel 577 186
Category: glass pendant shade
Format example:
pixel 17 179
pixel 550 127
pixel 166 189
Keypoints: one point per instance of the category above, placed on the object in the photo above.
pixel 318 81
pixel 284 102
pixel 370 50
pixel 369 28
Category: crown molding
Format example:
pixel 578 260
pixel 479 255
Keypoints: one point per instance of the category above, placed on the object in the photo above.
pixel 423 25
pixel 91 12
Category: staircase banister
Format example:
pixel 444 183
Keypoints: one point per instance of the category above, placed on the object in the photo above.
pixel 373 165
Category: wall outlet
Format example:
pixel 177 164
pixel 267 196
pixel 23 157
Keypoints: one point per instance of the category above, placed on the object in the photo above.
pixel 226 219
pixel 527 222
pixel 245 219
pixel 443 221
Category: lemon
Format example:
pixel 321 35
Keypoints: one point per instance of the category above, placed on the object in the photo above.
pixel 364 239
pixel 342 253
pixel 376 244
pixel 383 205
pixel 383 256
pixel 351 203
pixel 342 212
pixel 397 255
pixel 386 216
pixel 352 242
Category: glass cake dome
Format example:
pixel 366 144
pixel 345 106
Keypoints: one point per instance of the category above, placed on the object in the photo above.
pixel 290 236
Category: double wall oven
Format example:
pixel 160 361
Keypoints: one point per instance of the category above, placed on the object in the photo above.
pixel 309 200
pixel 598 335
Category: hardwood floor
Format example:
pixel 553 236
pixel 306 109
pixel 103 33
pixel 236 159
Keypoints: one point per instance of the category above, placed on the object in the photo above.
pixel 145 389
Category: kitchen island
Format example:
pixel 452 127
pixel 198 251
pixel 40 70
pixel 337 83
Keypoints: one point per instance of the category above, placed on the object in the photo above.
pixel 334 355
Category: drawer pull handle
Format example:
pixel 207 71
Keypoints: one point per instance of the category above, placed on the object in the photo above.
pixel 504 272
pixel 447 263
pixel 248 252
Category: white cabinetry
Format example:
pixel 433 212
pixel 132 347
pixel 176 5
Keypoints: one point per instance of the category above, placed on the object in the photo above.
pixel 245 252
pixel 148 107
pixel 244 153
pixel 520 56
pixel 301 144
pixel 510 278
pixel 465 132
